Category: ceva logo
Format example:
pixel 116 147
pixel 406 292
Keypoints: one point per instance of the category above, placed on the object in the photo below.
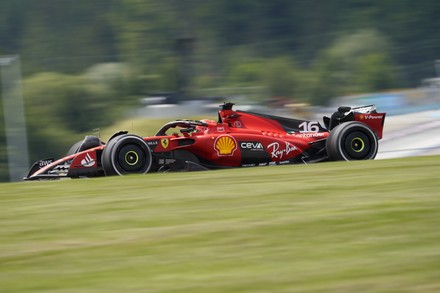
pixel 252 145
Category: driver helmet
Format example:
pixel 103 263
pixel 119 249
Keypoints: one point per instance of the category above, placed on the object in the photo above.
pixel 201 128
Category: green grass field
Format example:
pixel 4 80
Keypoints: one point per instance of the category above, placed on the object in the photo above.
pixel 334 227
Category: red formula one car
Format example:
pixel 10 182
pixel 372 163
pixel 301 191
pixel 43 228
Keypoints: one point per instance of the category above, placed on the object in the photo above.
pixel 237 139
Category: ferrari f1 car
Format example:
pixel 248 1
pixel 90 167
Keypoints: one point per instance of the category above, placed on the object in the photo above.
pixel 237 139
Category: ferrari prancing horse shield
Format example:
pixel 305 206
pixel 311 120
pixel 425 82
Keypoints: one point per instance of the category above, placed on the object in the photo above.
pixel 165 142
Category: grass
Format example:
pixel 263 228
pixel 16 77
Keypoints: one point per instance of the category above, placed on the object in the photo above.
pixel 333 227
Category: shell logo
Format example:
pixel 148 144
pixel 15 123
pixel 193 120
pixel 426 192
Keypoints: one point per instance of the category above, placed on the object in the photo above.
pixel 362 117
pixel 225 145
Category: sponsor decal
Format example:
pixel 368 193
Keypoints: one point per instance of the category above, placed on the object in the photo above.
pixel 238 124
pixel 274 163
pixel 165 142
pixel 248 165
pixel 309 135
pixel 251 145
pixel 88 161
pixel 220 129
pixel 152 142
pixel 166 161
pixel 225 145
pixel 44 163
pixel 279 153
pixel 371 117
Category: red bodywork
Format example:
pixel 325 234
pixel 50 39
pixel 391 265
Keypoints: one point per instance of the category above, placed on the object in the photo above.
pixel 240 139
pixel 374 120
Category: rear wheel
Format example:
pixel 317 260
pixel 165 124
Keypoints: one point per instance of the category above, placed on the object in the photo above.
pixel 126 154
pixel 352 141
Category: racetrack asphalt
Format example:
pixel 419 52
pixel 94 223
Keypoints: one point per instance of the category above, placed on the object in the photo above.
pixel 413 134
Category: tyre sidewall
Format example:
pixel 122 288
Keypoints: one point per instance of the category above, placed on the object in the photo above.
pixel 338 142
pixel 119 148
pixel 74 148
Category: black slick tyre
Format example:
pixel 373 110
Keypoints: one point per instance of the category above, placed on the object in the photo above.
pixel 126 154
pixel 352 141
pixel 74 148
pixel 88 142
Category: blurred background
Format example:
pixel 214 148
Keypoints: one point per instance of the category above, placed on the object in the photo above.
pixel 71 66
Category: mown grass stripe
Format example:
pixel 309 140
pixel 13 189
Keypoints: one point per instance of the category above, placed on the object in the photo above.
pixel 334 227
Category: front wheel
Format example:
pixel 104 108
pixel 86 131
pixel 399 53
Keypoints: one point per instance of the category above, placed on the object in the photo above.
pixel 126 154
pixel 352 141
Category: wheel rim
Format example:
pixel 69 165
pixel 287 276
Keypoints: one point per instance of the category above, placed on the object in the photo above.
pixel 131 158
pixel 357 145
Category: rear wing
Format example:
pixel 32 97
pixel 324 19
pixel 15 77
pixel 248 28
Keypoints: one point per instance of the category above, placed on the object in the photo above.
pixel 365 114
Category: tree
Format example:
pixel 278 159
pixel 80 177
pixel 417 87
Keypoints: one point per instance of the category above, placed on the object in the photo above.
pixel 281 76
pixel 375 72
pixel 354 63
